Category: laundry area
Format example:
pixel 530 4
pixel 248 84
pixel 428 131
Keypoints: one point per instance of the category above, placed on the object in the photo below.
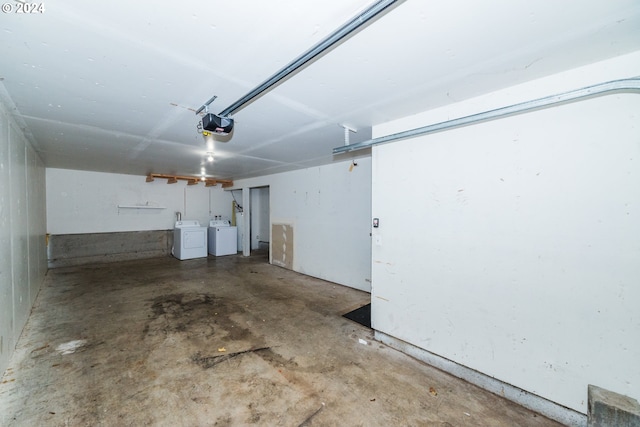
pixel 223 341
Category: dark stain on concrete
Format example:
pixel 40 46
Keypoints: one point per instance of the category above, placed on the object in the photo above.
pixel 210 361
pixel 181 305
pixel 277 361
pixel 191 314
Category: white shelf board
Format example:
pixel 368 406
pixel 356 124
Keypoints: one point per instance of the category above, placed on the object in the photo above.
pixel 139 207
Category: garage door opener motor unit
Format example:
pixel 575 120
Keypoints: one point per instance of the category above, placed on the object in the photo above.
pixel 217 124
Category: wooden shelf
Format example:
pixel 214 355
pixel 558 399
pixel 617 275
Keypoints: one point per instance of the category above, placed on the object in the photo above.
pixel 191 180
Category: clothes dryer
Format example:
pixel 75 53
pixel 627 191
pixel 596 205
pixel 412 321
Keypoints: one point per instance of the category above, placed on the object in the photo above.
pixel 189 240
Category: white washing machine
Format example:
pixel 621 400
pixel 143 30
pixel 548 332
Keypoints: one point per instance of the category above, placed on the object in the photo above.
pixel 223 238
pixel 189 240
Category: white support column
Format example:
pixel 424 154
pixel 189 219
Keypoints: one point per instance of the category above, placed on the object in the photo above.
pixel 246 206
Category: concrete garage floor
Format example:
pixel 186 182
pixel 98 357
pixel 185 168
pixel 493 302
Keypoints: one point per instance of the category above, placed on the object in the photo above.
pixel 228 341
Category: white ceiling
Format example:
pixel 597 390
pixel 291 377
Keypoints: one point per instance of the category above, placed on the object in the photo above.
pixel 112 86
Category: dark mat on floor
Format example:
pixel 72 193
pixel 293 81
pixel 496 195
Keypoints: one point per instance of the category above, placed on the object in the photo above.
pixel 360 315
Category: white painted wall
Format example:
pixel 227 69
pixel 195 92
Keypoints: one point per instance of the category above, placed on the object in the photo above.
pixel 329 208
pixel 87 202
pixel 23 262
pixel 513 247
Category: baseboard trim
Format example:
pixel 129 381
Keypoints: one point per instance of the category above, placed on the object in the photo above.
pixel 530 401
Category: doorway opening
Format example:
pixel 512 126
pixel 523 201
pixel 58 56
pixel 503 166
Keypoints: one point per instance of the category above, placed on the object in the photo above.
pixel 252 216
pixel 260 221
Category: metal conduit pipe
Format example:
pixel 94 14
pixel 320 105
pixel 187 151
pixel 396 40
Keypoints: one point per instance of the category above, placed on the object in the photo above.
pixel 326 43
pixel 615 86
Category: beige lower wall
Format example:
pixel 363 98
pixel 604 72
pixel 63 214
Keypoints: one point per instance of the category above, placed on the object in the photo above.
pixel 66 250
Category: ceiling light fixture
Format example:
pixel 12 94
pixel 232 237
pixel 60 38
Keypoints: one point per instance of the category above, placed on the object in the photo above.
pixel 210 156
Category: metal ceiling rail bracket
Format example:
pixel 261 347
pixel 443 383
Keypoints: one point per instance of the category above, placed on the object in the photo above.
pixel 319 48
pixel 347 129
pixel 205 106
pixel 607 88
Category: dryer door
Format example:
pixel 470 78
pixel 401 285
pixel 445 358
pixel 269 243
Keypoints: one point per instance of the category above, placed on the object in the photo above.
pixel 192 239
